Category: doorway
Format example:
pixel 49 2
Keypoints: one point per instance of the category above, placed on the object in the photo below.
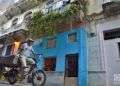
pixel 71 70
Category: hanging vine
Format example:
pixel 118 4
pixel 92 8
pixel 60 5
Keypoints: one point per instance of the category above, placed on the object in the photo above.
pixel 45 25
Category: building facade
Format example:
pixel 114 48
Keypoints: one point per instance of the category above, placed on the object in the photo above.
pixel 14 30
pixel 109 32
pixel 66 53
pixel 13 21
pixel 84 56
pixel 103 57
pixel 66 57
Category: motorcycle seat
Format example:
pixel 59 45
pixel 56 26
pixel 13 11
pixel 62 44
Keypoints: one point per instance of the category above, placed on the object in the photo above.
pixel 7 61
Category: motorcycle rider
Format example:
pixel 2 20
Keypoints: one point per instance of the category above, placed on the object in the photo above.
pixel 25 54
pixel 26 51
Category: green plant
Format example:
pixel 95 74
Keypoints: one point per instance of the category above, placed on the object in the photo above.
pixel 47 24
pixel 42 25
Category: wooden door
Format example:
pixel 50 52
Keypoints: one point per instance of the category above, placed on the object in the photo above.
pixel 71 70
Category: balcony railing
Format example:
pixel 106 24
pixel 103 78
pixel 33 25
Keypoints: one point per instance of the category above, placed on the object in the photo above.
pixel 12 29
pixel 55 6
pixel 111 8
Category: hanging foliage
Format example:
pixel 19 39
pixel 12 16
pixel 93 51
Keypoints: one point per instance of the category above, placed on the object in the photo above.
pixel 47 24
pixel 43 25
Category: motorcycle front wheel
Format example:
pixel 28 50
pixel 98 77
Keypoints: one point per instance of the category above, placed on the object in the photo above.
pixel 39 78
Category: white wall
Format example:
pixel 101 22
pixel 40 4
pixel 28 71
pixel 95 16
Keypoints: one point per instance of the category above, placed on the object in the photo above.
pixel 95 6
pixel 110 51
pixel 20 18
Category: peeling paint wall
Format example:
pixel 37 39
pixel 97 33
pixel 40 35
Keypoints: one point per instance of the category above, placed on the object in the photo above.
pixel 63 48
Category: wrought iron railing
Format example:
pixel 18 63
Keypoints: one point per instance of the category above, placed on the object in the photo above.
pixel 17 27
pixel 111 8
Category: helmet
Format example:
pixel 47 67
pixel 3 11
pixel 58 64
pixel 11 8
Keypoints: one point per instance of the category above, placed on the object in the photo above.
pixel 30 40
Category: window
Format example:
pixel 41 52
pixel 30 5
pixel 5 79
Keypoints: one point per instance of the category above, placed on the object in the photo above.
pixel 72 37
pixel 15 21
pixel 1 49
pixel 50 9
pixel 28 16
pixel 50 64
pixel 106 1
pixel 65 2
pixel 58 5
pixel 112 34
pixel 119 47
pixel 51 43
pixel 10 49
pixel 49 2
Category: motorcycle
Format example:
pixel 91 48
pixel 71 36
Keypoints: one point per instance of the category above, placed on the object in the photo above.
pixel 33 75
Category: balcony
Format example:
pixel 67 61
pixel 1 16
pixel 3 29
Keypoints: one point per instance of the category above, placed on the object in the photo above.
pixel 12 29
pixel 111 8
pixel 55 5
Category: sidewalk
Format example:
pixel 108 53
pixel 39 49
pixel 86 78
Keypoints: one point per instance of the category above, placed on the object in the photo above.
pixel 5 83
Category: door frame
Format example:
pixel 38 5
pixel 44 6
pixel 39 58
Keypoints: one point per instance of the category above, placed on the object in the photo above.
pixel 67 56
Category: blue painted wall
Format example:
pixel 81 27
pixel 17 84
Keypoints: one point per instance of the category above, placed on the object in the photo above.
pixel 64 47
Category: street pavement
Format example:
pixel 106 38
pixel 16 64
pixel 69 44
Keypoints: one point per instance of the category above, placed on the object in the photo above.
pixel 5 83
pixel 52 79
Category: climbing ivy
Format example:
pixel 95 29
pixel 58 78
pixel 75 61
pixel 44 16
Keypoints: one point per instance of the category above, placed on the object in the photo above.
pixel 47 24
